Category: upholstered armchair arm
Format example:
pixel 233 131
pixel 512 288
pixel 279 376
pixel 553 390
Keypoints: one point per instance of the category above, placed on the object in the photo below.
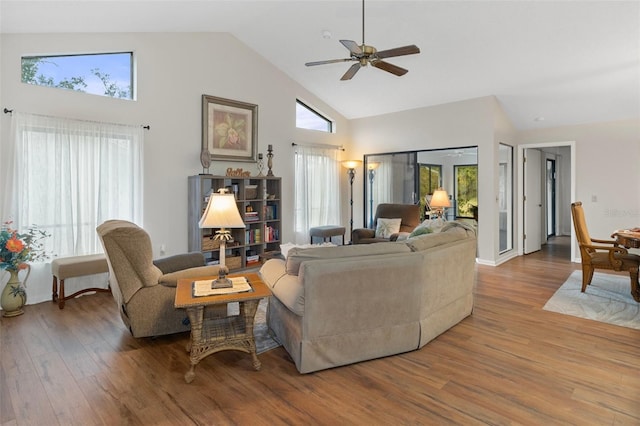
pixel 172 278
pixel 361 233
pixel 179 262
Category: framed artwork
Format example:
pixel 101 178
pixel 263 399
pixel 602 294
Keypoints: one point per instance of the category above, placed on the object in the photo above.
pixel 229 129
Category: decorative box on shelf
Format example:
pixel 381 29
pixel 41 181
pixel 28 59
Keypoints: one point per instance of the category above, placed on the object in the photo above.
pixel 209 243
pixel 251 192
pixel 233 262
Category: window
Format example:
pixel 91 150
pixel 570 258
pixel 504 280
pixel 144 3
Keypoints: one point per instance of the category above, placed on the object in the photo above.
pixel 466 190
pixel 308 118
pixel 316 190
pixel 107 74
pixel 71 175
pixel 430 180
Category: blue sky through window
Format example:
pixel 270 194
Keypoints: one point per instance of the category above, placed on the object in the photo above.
pixel 118 66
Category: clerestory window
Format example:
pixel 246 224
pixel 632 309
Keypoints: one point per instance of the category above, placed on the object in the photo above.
pixel 104 74
pixel 309 118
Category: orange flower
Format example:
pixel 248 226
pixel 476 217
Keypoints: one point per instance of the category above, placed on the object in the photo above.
pixel 14 245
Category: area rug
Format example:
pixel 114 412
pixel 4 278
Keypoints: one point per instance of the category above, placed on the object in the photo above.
pixel 608 299
pixel 264 340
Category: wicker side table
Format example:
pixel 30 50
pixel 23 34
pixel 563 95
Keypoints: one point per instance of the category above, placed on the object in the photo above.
pixel 211 335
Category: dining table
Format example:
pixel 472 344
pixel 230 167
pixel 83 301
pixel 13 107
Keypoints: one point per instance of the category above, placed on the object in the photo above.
pixel 628 238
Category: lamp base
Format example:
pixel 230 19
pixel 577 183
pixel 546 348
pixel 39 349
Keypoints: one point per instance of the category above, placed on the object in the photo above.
pixel 221 283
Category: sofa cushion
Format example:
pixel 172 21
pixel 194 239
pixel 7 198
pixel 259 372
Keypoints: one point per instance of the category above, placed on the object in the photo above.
pixel 298 255
pixel 427 241
pixel 386 227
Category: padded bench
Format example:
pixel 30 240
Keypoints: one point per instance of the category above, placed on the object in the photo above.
pixel 76 266
pixel 326 232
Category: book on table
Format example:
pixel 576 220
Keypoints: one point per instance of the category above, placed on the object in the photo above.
pixel 203 287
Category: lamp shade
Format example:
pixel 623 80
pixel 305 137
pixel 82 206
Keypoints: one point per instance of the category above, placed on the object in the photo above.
pixel 351 164
pixel 372 166
pixel 221 212
pixel 440 198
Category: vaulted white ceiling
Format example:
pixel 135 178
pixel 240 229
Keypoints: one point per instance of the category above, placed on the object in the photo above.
pixel 560 62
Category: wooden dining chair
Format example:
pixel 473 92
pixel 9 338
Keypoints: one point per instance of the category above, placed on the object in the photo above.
pixel 602 254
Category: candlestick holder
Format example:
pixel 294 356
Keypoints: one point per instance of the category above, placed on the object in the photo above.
pixel 260 165
pixel 270 160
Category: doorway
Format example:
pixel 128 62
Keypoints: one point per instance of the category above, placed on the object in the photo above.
pixel 565 180
pixel 551 197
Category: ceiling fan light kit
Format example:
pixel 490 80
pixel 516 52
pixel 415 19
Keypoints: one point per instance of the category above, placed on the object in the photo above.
pixel 364 55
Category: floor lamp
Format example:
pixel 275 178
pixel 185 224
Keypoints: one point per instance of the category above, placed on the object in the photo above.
pixel 372 174
pixel 351 165
pixel 222 212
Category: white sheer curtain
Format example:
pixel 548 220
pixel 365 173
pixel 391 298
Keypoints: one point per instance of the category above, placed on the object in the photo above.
pixel 383 183
pixel 317 190
pixel 69 176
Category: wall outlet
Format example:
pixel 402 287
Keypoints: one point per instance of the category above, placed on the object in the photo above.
pixel 163 249
pixel 594 198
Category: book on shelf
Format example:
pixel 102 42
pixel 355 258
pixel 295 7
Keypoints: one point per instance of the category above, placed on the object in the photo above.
pixel 252 236
pixel 271 212
pixel 271 234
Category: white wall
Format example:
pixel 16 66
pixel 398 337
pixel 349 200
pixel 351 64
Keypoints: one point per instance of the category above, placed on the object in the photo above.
pixel 607 168
pixel 465 123
pixel 173 71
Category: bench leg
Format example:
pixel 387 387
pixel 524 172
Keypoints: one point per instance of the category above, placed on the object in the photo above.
pixel 61 296
pixel 54 290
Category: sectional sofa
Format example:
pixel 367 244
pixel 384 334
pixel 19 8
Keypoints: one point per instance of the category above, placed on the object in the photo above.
pixel 333 306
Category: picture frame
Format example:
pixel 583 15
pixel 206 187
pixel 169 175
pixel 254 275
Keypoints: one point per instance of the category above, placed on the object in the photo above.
pixel 229 129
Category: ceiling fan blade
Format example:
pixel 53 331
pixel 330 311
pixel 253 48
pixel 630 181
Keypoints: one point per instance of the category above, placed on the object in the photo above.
pixel 330 61
pixel 351 72
pixel 386 66
pixel 398 51
pixel 352 46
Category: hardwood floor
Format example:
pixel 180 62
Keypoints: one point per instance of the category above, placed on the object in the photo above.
pixel 509 363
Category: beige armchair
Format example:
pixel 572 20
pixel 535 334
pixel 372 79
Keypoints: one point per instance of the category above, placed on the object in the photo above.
pixel 602 254
pixel 144 290
pixel 408 213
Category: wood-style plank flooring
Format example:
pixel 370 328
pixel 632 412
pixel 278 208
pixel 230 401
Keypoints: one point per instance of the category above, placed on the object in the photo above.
pixel 509 363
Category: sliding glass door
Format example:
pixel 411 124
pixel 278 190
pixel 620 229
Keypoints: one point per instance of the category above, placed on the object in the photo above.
pixel 391 178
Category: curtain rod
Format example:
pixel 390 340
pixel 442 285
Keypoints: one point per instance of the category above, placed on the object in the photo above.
pixel 9 111
pixel 319 145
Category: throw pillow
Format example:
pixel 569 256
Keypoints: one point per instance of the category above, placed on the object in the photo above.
pixel 434 224
pixel 387 227
pixel 420 230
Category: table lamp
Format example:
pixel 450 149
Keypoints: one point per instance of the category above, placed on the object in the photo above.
pixel 440 201
pixel 222 212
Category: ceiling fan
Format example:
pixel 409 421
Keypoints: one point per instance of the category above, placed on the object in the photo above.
pixel 364 55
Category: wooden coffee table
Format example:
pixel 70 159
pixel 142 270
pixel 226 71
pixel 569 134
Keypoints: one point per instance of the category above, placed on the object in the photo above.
pixel 211 335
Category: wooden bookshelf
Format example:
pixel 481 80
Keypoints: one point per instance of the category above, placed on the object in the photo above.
pixel 259 203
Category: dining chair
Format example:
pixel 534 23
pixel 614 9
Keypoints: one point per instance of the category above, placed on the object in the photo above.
pixel 602 254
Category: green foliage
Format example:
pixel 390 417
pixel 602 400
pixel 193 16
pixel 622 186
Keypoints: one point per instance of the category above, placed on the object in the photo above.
pixel 467 189
pixel 30 75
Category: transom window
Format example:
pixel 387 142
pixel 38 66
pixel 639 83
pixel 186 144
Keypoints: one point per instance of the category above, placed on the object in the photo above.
pixel 104 74
pixel 309 118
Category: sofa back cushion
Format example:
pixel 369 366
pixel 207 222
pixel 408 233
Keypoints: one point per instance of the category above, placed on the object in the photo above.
pixel 298 255
pixel 452 231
